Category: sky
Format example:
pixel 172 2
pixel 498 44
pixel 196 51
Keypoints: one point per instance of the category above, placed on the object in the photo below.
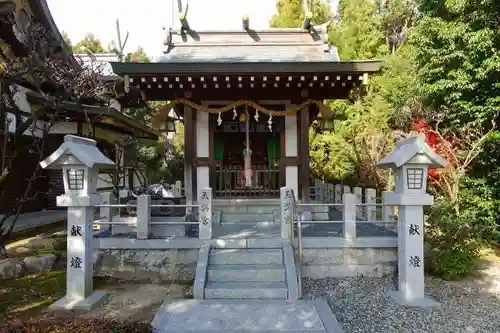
pixel 144 19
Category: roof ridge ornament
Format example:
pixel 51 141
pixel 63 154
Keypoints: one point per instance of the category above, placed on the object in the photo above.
pixel 308 21
pixel 246 22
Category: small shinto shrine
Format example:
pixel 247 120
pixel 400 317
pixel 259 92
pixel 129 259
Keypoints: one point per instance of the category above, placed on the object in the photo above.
pixel 247 99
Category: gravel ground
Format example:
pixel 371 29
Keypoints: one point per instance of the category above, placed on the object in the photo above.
pixel 361 305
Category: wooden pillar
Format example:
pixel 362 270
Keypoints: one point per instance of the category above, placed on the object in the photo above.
pixel 291 150
pixel 303 154
pixel 202 151
pixel 211 157
pixel 189 153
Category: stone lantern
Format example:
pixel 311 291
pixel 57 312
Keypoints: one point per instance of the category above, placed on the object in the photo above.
pixel 410 162
pixel 80 160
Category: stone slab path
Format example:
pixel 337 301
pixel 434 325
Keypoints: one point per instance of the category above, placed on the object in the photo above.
pixel 245 316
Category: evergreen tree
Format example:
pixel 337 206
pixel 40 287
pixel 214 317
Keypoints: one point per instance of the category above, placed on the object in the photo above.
pixel 457 50
pixel 90 44
pixel 66 39
pixel 137 56
pixel 359 33
pixel 290 13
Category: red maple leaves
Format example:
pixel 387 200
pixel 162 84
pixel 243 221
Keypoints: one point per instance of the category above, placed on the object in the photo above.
pixel 434 140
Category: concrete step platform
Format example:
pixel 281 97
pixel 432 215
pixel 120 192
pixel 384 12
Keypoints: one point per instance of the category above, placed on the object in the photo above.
pixel 246 273
pixel 245 316
pixel 245 257
pixel 246 290
pixel 228 218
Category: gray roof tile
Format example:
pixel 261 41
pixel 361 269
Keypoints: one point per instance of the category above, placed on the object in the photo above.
pixel 250 53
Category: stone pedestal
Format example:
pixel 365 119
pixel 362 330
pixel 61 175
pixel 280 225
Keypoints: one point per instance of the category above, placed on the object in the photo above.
pixel 286 203
pixel 411 285
pixel 411 160
pixel 80 161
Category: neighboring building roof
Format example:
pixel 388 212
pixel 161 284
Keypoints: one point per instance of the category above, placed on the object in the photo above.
pixel 42 13
pixel 108 117
pixel 100 62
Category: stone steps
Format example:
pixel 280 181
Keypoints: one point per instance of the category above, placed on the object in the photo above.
pixel 246 273
pixel 256 273
pixel 245 290
pixel 245 257
pixel 254 210
pixel 227 217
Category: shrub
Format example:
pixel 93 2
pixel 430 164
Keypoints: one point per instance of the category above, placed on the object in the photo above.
pixel 451 242
pixel 73 324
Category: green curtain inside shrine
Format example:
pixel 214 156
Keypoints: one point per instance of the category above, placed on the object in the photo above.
pixel 273 149
pixel 218 148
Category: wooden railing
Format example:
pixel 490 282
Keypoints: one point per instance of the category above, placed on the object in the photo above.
pixel 230 182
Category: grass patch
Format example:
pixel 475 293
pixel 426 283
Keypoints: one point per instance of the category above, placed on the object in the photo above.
pixel 44 230
pixel 27 296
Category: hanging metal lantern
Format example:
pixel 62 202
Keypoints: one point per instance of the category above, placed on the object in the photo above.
pixel 243 117
pixel 168 125
pixel 326 124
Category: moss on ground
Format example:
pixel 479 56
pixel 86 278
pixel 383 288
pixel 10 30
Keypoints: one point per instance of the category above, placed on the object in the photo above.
pixel 27 296
pixel 44 230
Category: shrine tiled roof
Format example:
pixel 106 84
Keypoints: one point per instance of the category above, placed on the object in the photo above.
pixel 251 53
pixel 238 46
pixel 274 50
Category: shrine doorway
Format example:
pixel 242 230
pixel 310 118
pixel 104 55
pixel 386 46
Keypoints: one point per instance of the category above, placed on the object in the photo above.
pixel 229 145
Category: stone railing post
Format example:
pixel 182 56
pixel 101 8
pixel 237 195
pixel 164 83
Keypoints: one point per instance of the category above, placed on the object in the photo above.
pixel 316 189
pixel 331 193
pixel 371 199
pixel 349 215
pixel 388 213
pixel 358 192
pixel 205 212
pixel 347 189
pixel 178 188
pixel 338 194
pixel 286 203
pixel 143 216
pixel 105 212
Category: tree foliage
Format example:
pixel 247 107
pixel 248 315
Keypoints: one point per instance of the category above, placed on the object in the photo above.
pixel 36 62
pixel 290 13
pixel 358 34
pixel 67 40
pixel 137 56
pixel 457 51
pixel 89 44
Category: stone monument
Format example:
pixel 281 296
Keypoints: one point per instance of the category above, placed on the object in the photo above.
pixel 80 160
pixel 410 161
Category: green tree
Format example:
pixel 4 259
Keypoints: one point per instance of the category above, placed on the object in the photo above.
pixel 137 56
pixel 457 50
pixel 397 18
pixel 163 159
pixel 351 152
pixel 66 39
pixel 359 33
pixel 290 13
pixel 89 43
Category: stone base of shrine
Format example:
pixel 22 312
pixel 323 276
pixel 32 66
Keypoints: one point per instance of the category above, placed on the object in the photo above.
pixel 423 303
pixel 89 303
